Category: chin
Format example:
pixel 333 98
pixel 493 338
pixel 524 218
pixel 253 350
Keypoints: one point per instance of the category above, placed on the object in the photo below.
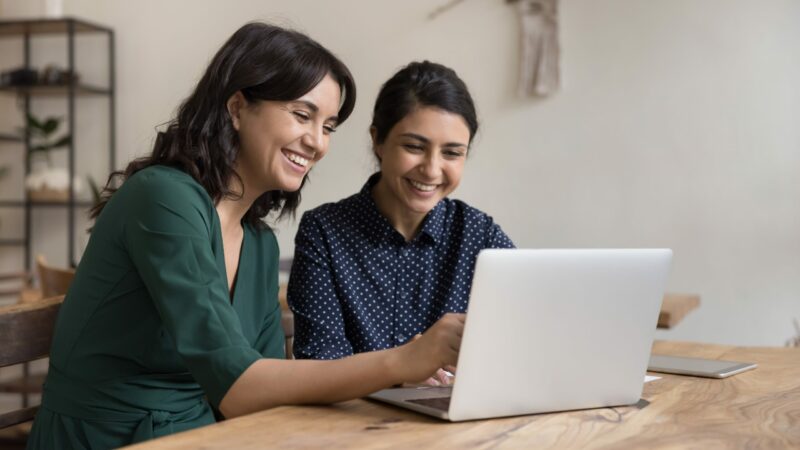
pixel 291 185
pixel 423 208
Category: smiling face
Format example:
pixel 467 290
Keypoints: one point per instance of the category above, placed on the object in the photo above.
pixel 421 162
pixel 280 141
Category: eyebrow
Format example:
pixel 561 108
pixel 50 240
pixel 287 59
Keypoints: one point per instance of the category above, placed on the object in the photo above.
pixel 315 109
pixel 425 140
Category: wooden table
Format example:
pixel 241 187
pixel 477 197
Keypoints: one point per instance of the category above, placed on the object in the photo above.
pixel 756 409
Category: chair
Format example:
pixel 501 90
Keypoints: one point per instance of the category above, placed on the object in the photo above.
pixel 287 321
pixel 22 288
pixel 53 281
pixel 26 330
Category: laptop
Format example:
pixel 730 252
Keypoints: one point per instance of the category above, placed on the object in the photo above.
pixel 550 330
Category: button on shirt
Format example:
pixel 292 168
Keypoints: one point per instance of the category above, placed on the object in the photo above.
pixel 357 285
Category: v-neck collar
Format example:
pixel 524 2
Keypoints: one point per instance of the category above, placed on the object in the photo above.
pixel 221 259
pixel 234 290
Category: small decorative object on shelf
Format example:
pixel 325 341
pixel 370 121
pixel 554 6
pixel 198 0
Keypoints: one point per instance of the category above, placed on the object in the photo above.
pixel 46 183
pixel 52 75
pixel 21 76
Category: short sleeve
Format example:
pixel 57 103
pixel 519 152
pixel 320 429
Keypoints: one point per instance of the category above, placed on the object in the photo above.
pixel 168 237
pixel 496 238
pixel 319 329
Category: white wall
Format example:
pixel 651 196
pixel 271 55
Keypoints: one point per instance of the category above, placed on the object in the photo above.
pixel 676 126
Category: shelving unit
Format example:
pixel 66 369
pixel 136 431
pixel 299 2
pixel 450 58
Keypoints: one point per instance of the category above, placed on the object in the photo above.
pixel 68 27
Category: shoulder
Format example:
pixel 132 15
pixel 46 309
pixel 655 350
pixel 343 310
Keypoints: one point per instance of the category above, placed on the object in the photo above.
pixel 341 212
pixel 472 223
pixel 332 210
pixel 166 184
pixel 460 211
pixel 163 195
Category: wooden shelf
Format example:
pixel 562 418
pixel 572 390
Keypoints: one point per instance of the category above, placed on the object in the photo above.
pixel 10 138
pixel 10 28
pixel 12 242
pixel 45 90
pixel 34 204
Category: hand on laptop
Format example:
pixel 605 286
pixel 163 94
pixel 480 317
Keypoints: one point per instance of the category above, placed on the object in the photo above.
pixel 436 348
pixel 443 377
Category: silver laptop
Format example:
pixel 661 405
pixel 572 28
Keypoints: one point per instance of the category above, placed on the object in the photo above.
pixel 550 330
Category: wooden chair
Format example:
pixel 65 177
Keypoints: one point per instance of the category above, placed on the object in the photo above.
pixel 19 285
pixel 287 322
pixel 26 331
pixel 53 281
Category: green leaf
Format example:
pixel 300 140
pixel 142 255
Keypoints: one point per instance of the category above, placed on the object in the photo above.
pixel 34 123
pixel 50 125
pixel 64 141
pixel 40 148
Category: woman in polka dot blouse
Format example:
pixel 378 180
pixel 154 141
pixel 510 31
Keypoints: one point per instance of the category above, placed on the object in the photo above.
pixel 375 269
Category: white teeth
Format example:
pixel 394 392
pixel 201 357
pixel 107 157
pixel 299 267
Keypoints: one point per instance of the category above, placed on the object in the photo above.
pixel 423 187
pixel 297 159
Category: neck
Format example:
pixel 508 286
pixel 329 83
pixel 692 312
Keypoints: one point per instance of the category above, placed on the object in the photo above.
pixel 231 211
pixel 407 223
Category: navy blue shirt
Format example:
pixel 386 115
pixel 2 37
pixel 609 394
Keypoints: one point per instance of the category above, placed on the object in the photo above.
pixel 356 285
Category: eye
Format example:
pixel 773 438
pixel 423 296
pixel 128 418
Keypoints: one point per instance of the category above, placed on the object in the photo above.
pixel 329 129
pixel 414 148
pixel 453 154
pixel 301 115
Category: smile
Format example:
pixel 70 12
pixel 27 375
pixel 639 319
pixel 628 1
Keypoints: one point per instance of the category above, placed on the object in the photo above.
pixel 297 159
pixel 422 186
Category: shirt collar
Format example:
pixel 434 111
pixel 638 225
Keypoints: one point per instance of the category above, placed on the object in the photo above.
pixel 432 225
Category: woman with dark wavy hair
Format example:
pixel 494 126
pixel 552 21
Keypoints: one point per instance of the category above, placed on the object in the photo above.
pixel 173 311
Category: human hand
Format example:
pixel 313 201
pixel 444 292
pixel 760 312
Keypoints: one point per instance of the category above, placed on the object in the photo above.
pixel 437 348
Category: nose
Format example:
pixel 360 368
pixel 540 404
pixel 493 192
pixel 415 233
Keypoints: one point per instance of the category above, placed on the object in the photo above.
pixel 314 140
pixel 431 166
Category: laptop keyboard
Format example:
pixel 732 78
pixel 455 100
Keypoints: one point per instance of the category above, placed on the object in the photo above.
pixel 440 403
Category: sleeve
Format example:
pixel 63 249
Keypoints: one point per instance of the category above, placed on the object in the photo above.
pixel 496 238
pixel 319 330
pixel 271 341
pixel 167 235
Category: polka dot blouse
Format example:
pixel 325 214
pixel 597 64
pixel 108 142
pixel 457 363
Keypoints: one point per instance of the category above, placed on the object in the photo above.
pixel 356 285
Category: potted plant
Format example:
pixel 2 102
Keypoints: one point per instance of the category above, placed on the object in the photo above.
pixel 45 182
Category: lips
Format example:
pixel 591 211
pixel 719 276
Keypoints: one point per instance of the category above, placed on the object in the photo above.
pixel 422 186
pixel 422 190
pixel 298 161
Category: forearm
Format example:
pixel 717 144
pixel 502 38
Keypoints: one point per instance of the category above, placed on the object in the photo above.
pixel 270 382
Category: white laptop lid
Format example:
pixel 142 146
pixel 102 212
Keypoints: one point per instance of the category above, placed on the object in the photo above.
pixel 554 330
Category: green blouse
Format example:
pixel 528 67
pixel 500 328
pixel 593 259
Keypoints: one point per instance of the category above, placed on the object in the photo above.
pixel 148 337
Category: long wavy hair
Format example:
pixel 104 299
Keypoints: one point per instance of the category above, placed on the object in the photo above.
pixel 264 62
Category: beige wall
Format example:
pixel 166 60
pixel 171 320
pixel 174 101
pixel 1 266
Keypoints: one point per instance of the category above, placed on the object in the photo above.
pixel 676 126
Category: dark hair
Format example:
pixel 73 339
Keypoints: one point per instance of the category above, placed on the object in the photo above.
pixel 422 84
pixel 264 62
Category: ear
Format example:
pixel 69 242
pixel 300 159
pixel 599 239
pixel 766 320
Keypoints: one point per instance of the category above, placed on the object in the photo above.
pixel 376 149
pixel 235 105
